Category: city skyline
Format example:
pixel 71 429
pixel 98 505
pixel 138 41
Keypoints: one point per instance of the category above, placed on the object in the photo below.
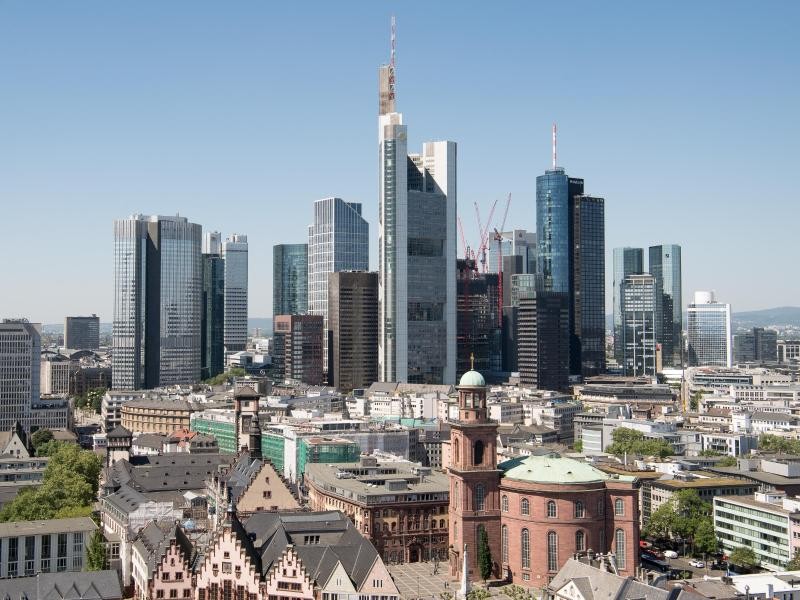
pixel 206 123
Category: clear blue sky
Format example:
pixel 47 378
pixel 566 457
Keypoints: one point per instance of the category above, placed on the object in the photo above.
pixel 683 115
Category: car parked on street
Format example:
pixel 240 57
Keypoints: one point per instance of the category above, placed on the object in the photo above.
pixel 670 554
pixel 697 564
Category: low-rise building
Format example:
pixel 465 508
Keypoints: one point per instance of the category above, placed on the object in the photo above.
pixel 156 415
pixel 98 585
pixel 111 407
pixel 707 485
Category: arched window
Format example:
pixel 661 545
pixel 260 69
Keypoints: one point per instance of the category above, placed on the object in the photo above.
pixel 551 509
pixel 580 541
pixel 525 507
pixel 600 507
pixel 480 497
pixel 477 457
pixel 455 450
pixel 385 528
pixel 456 496
pixel 394 526
pixel 619 548
pixel 526 549
pixel 580 511
pixel 455 532
pixel 619 507
pixel 552 551
pixel 505 503
pixel 504 543
pixel 441 523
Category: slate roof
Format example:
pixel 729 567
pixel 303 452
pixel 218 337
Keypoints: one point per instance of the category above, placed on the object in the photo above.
pixel 154 441
pixel 170 472
pixel 91 585
pixel 119 432
pixel 156 537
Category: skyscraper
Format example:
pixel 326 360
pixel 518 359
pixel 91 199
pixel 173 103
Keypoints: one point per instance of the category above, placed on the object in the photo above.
pixel 298 347
pixel 479 324
pixel 639 301
pixel 290 279
pixel 665 266
pixel 158 278
pixel 417 251
pixel 570 233
pixel 20 371
pixel 82 333
pixel 234 252
pixel 353 322
pixel 543 339
pixel 338 240
pixel 756 345
pixel 517 242
pixel 708 331
pixel 627 261
pixel 212 330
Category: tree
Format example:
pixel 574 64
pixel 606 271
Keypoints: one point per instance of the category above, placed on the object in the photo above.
pixel 727 461
pixel 628 441
pixel 94 398
pixel 223 378
pixel 774 443
pixel 743 557
pixel 794 564
pixel 578 446
pixel 41 436
pixel 704 537
pixel 661 522
pixel 478 594
pixel 484 554
pixel 96 559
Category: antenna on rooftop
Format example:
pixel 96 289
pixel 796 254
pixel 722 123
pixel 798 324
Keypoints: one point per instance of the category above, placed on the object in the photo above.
pixel 555 154
pixel 391 61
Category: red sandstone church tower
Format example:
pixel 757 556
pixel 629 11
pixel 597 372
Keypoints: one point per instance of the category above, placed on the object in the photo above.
pixel 474 479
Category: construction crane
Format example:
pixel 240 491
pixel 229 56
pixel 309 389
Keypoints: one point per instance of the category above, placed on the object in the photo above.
pixel 484 234
pixel 464 246
pixel 498 237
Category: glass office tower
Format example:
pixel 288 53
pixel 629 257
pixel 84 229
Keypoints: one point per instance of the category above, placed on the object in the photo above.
pixel 338 240
pixel 708 331
pixel 570 233
pixel 290 279
pixel 234 252
pixel 639 301
pixel 665 266
pixel 212 336
pixel 158 278
pixel 627 261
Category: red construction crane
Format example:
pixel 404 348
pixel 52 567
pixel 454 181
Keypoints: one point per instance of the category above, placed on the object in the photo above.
pixel 464 246
pixel 498 237
pixel 484 233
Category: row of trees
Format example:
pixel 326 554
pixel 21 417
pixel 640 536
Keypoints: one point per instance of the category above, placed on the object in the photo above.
pixel 69 487
pixel 223 378
pixel 775 443
pixel 687 517
pixel 92 399
pixel 626 441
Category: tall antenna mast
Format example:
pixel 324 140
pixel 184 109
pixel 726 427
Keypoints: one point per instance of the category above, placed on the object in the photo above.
pixel 555 153
pixel 391 61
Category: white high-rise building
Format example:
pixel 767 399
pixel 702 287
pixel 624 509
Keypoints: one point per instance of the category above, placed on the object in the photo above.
pixel 338 240
pixel 417 251
pixel 709 332
pixel 234 251
pixel 212 242
pixel 20 356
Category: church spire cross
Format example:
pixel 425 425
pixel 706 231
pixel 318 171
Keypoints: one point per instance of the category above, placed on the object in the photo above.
pixel 472 361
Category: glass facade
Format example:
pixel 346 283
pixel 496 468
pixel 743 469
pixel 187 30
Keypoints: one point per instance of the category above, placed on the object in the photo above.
pixel 709 332
pixel 157 302
pixel 338 240
pixel 20 376
pixel 290 279
pixel 627 261
pixel 665 266
pixel 212 340
pixel 234 251
pixel 639 324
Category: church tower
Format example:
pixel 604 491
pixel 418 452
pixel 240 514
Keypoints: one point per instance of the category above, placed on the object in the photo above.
pixel 474 479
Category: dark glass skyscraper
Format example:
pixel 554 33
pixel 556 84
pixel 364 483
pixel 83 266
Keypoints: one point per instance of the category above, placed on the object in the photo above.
pixel 627 261
pixel 665 267
pixel 570 232
pixel 212 332
pixel 290 279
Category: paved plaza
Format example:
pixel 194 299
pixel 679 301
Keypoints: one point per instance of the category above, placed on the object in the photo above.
pixel 418 581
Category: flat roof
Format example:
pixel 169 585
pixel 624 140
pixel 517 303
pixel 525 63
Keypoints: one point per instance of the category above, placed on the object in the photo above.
pixel 765 506
pixel 18 528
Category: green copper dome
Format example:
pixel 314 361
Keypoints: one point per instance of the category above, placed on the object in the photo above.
pixel 472 379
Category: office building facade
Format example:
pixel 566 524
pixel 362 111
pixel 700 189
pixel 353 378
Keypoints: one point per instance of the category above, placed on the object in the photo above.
pixel 665 267
pixel 639 324
pixel 298 348
pixel 234 252
pixel 479 330
pixel 627 261
pixel 20 370
pixel 353 329
pixel 517 242
pixel 709 332
pixel 570 233
pixel 757 345
pixel 417 251
pixel 338 240
pixel 290 279
pixel 82 333
pixel 212 327
pixel 157 302
pixel 543 340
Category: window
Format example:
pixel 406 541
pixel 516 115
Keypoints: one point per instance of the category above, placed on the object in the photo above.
pixel 46 551
pixel 525 506
pixel 552 551
pixel 504 543
pixel 526 549
pixel 580 511
pixel 600 506
pixel 159 593
pixel 580 541
pixel 173 593
pixel 480 497
pixel 457 496
pixel 551 509
pixel 619 507
pixel 619 548
pixel 477 458
pixel 504 503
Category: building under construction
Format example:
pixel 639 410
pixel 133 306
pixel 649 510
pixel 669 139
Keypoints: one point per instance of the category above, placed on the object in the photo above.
pixel 479 325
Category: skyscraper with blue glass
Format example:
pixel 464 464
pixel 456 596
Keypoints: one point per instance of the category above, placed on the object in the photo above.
pixel 627 261
pixel 570 232
pixel 289 279
pixel 665 267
